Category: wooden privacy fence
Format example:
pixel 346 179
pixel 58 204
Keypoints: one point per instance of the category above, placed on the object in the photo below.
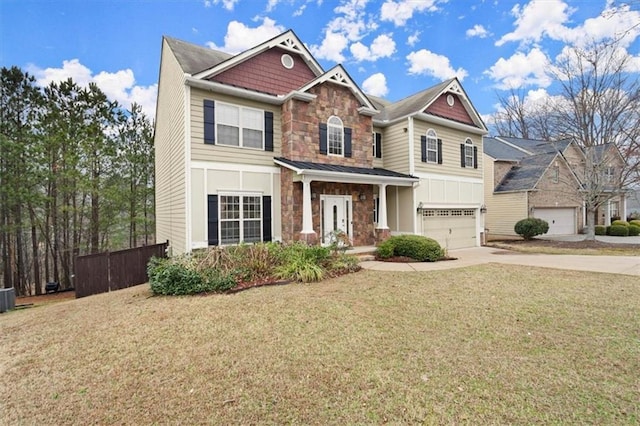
pixel 104 272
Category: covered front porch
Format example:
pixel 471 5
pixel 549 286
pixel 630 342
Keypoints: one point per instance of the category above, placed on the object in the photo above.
pixel 323 201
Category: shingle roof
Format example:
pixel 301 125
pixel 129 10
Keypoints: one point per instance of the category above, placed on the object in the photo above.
pixel 307 165
pixel 411 104
pixel 537 146
pixel 501 151
pixel 193 58
pixel 526 174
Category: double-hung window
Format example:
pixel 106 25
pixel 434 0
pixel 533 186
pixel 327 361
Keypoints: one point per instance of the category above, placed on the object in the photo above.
pixel 432 146
pixel 240 219
pixel 609 174
pixel 239 126
pixel 335 136
pixel 468 153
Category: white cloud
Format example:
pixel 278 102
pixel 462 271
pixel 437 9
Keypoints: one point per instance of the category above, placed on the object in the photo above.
pixel 612 23
pixel 118 86
pixel 376 85
pixel 239 37
pixel 383 46
pixel 413 38
pixel 477 31
pixel 424 62
pixel 537 18
pixel 399 12
pixel 521 70
pixel 331 47
pixel 227 4
pixel 350 26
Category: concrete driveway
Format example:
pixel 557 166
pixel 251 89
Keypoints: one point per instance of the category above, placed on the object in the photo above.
pixel 627 265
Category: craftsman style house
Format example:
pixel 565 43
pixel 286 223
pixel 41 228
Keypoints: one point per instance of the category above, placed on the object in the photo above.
pixel 534 178
pixel 266 145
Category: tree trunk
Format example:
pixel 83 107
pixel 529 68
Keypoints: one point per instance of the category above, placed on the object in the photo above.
pixel 591 226
pixel 36 255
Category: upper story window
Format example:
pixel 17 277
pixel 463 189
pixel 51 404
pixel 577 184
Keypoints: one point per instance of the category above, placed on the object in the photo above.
pixel 432 146
pixel 609 174
pixel 239 126
pixel 468 154
pixel 377 145
pixel 335 136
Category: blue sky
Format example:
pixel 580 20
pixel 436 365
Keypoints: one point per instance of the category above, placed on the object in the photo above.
pixel 392 48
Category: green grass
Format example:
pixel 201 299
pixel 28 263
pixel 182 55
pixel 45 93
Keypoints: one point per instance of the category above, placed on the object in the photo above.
pixel 487 344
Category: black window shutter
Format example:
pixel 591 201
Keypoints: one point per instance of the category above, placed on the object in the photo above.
pixel 439 151
pixel 209 122
pixel 462 163
pixel 323 138
pixel 475 157
pixel 268 131
pixel 212 218
pixel 266 218
pixel 347 142
pixel 423 148
pixel 378 145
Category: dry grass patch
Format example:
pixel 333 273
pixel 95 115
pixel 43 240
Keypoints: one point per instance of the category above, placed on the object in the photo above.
pixel 488 344
pixel 592 248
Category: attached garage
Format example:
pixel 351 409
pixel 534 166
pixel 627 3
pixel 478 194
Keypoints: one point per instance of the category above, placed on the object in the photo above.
pixel 561 220
pixel 452 228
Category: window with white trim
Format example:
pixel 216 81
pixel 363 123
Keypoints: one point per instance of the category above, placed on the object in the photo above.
pixel 432 146
pixel 240 219
pixel 335 136
pixel 468 153
pixel 239 126
pixel 609 174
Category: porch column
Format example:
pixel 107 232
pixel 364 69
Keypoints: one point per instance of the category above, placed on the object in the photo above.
pixel 607 214
pixel 307 214
pixel 623 206
pixel 382 207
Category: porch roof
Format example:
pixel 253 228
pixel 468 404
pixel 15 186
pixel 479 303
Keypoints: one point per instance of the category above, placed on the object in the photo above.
pixel 347 174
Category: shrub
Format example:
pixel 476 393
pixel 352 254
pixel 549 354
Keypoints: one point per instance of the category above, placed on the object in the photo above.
pixel 608 230
pixel 601 230
pixel 634 222
pixel 619 231
pixel 177 276
pixel 530 227
pixel 620 222
pixel 416 247
pixel 634 230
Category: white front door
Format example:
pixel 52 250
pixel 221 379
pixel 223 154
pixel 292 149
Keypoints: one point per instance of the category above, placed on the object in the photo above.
pixel 336 216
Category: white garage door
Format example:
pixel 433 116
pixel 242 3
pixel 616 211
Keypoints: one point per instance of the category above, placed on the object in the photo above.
pixel 562 221
pixel 452 228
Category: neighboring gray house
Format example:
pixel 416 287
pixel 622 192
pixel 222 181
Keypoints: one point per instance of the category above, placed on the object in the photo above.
pixel 534 178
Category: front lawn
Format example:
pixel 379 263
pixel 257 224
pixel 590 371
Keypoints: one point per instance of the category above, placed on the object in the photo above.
pixel 486 344
pixel 594 248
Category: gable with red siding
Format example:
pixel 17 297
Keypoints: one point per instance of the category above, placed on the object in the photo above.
pixel 457 112
pixel 265 73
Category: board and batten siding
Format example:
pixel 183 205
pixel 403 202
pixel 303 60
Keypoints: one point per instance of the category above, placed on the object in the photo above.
pixel 208 178
pixel 170 154
pixel 230 154
pixel 451 141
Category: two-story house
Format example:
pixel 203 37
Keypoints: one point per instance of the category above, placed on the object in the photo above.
pixel 542 179
pixel 266 145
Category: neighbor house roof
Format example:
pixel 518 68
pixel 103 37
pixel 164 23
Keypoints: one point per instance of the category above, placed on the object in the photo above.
pixel 526 174
pixel 501 151
pixel 535 146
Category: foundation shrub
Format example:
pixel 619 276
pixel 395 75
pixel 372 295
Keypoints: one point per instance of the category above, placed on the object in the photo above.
pixel 619 231
pixel 634 230
pixel 600 230
pixel 531 227
pixel 620 222
pixel 635 222
pixel 422 249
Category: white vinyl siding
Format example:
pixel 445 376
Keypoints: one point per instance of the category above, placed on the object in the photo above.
pixel 504 211
pixel 396 148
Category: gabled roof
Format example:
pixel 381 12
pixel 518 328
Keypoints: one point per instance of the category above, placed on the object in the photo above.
pixel 288 41
pixel 525 175
pixel 193 58
pixel 417 104
pixel 498 150
pixel 535 146
pixel 339 75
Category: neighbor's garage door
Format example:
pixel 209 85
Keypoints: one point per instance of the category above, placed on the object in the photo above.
pixel 452 228
pixel 561 221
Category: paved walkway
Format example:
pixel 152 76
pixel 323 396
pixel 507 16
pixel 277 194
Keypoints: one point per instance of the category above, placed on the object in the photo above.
pixel 628 265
